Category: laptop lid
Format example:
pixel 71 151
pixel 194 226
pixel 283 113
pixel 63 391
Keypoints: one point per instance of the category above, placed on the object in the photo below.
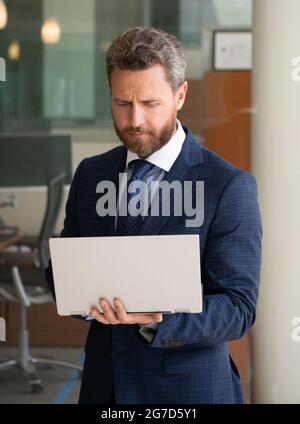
pixel 147 273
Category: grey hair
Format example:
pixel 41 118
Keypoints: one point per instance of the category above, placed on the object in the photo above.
pixel 142 47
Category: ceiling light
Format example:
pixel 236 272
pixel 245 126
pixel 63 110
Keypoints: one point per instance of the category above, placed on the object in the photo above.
pixel 50 31
pixel 13 51
pixel 3 14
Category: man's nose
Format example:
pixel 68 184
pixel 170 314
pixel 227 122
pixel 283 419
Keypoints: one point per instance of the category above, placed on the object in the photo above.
pixel 136 117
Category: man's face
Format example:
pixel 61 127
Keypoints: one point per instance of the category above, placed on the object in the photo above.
pixel 144 108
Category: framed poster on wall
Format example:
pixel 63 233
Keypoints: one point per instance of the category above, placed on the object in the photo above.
pixel 232 50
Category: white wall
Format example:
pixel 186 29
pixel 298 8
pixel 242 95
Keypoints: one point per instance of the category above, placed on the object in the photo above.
pixel 276 164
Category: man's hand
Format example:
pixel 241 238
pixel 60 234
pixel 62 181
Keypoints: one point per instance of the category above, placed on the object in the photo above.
pixel 120 315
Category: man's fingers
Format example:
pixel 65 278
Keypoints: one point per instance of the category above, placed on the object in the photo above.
pixel 108 312
pixel 98 316
pixel 121 312
pixel 120 315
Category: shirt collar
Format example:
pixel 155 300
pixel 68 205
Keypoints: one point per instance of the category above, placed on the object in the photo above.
pixel 166 155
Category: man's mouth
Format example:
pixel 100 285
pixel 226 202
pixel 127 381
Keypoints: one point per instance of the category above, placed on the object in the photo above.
pixel 135 133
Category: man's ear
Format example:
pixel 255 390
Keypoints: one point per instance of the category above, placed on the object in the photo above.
pixel 180 95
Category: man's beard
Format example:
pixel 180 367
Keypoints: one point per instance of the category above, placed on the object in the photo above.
pixel 153 141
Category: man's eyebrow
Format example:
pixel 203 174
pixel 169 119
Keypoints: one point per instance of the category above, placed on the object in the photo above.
pixel 119 99
pixel 152 101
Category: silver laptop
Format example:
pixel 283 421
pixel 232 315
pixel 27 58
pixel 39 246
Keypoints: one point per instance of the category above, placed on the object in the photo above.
pixel 147 273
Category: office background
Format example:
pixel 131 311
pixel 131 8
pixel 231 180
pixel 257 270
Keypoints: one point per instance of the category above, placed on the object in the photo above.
pixel 249 116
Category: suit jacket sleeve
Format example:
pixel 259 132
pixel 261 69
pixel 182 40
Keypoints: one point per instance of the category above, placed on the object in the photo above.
pixel 230 272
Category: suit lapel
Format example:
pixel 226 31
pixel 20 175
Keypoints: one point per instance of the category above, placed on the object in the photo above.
pixel 111 172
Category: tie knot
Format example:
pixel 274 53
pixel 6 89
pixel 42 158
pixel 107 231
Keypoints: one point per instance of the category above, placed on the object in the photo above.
pixel 140 168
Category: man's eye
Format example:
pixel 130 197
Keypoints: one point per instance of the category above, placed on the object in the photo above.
pixel 151 104
pixel 122 104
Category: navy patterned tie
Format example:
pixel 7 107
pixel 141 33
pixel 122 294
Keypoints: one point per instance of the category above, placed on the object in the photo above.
pixel 129 225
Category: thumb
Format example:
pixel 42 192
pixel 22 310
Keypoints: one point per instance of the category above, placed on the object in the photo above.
pixel 157 317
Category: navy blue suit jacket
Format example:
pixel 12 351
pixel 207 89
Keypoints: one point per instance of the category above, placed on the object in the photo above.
pixel 188 360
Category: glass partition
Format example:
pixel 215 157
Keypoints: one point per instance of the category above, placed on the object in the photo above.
pixel 61 83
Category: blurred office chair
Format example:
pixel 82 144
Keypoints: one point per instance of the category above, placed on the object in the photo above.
pixel 22 280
